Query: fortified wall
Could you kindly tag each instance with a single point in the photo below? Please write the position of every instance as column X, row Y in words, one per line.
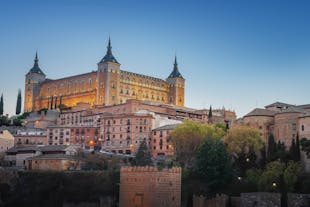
column 150, row 187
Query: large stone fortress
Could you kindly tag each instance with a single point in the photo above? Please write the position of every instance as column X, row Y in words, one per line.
column 109, row 85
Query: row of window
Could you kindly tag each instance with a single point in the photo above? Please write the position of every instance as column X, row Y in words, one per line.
column 141, row 121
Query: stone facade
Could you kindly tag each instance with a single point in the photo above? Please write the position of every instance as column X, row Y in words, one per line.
column 262, row 123
column 6, row 140
column 82, row 136
column 150, row 187
column 286, row 127
column 19, row 155
column 124, row 133
column 217, row 201
column 161, row 145
column 109, row 85
column 298, row 200
column 284, row 121
column 30, row 137
column 304, row 126
column 52, row 162
column 261, row 199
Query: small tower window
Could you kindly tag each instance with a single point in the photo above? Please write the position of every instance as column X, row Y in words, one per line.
column 302, row 128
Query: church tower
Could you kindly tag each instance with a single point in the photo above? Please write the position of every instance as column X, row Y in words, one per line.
column 34, row 78
column 108, row 79
column 176, row 86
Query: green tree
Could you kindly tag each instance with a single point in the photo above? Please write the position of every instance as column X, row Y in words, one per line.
column 279, row 176
column 213, row 164
column 1, row 105
column 189, row 136
column 297, row 148
column 292, row 150
column 210, row 115
column 271, row 148
column 19, row 103
column 242, row 139
column 143, row 155
column 281, row 153
column 305, row 146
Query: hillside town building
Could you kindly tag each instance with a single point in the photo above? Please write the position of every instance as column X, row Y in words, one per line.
column 284, row 121
column 6, row 140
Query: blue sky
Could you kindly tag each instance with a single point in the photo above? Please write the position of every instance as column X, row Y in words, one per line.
column 240, row 54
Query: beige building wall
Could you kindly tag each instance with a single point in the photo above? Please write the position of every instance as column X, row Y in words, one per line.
column 286, row 127
column 6, row 140
column 150, row 187
column 161, row 143
column 262, row 123
column 304, row 127
column 57, row 164
column 124, row 133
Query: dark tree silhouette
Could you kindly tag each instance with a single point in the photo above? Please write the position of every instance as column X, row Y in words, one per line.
column 19, row 102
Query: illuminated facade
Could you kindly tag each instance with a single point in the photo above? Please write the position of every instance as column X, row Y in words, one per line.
column 109, row 85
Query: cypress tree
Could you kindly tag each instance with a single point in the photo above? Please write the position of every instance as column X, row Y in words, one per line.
column 19, row 103
column 210, row 115
column 143, row 156
column 271, row 148
column 297, row 148
column 55, row 105
column 1, row 105
column 292, row 151
column 52, row 103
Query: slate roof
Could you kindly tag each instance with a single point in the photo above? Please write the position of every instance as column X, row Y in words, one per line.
column 52, row 156
column 22, row 148
column 109, row 56
column 36, row 68
column 166, row 127
column 261, row 112
column 175, row 73
column 49, row 148
column 278, row 104
column 292, row 109
column 304, row 106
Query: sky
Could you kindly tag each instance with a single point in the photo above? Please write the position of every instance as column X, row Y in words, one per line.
column 240, row 54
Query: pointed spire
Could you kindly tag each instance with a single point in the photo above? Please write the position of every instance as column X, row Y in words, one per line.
column 36, row 68
column 109, row 56
column 36, row 60
column 109, row 45
column 175, row 65
column 175, row 73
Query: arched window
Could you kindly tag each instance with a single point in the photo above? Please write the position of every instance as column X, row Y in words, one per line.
column 302, row 128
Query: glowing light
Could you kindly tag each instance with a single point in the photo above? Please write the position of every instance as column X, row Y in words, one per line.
column 91, row 142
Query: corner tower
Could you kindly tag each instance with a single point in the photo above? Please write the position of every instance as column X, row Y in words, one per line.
column 108, row 79
column 33, row 80
column 176, row 86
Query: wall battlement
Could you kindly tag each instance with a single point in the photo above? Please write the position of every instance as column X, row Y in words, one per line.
column 150, row 187
column 176, row 170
